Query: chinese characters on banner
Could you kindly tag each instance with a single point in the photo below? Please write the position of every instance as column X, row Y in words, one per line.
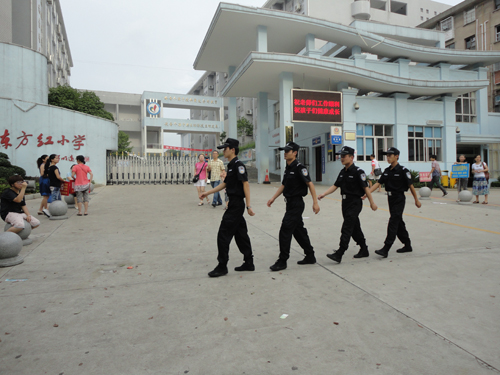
column 317, row 106
column 41, row 140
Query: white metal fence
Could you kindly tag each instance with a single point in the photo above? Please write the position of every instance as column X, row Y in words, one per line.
column 150, row 170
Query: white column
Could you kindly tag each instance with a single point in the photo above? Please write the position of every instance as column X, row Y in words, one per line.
column 262, row 141
column 449, row 142
column 232, row 131
column 261, row 38
column 286, row 86
column 400, row 130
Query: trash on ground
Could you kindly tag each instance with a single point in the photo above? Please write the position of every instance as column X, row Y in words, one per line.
column 130, row 268
column 13, row 280
column 284, row 316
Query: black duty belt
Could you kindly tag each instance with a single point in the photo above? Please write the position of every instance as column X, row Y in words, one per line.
column 395, row 193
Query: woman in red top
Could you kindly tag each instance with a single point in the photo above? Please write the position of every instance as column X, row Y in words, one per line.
column 82, row 184
column 200, row 170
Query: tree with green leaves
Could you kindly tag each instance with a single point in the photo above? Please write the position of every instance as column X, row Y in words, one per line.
column 7, row 169
column 244, row 126
column 123, row 143
column 82, row 101
column 222, row 137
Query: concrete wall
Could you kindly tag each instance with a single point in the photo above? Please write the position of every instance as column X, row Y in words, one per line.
column 23, row 74
column 40, row 121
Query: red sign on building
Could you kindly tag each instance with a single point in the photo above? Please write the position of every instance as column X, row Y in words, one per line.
column 317, row 106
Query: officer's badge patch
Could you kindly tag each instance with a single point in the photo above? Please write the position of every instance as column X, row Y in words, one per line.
column 363, row 176
column 304, row 172
column 241, row 169
column 408, row 174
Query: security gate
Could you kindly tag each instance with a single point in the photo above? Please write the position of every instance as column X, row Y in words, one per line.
column 150, row 169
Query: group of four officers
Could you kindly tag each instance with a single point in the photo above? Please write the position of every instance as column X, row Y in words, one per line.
column 296, row 181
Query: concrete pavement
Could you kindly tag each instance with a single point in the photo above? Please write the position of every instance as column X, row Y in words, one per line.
column 77, row 308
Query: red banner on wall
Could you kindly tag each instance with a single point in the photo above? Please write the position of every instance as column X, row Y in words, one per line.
column 185, row 149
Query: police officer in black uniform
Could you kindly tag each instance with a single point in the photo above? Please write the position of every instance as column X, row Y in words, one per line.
column 397, row 180
column 296, row 180
column 353, row 185
column 233, row 223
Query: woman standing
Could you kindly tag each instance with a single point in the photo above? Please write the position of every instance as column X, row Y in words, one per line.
column 461, row 182
column 44, row 184
column 200, row 170
column 82, row 184
column 480, row 184
column 54, row 177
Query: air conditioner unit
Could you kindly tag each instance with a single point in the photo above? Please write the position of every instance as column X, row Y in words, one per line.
column 58, row 81
column 50, row 59
column 211, row 87
column 298, row 7
column 49, row 1
column 225, row 75
column 249, row 112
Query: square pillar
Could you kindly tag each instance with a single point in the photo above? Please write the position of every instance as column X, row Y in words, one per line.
column 262, row 141
column 261, row 38
column 311, row 46
column 286, row 86
column 350, row 114
column 449, row 132
column 232, row 129
column 400, row 131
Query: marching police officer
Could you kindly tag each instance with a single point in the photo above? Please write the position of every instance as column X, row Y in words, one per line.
column 353, row 185
column 296, row 180
column 397, row 180
column 233, row 223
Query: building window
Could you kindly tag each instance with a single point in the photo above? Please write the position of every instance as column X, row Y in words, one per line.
column 378, row 4
column 372, row 139
column 469, row 16
column 496, row 102
column 398, row 7
column 277, row 115
column 497, row 33
column 421, row 18
column 451, row 46
column 497, row 4
column 435, row 13
column 470, row 42
column 422, row 10
column 277, row 159
column 447, row 27
column 424, row 141
column 465, row 108
column 427, row 11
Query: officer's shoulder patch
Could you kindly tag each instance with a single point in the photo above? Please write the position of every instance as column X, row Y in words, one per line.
column 304, row 172
column 241, row 169
column 363, row 176
column 408, row 174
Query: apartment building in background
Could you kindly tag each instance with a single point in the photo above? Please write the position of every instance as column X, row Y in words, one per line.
column 39, row 26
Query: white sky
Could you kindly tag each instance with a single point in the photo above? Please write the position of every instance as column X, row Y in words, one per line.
column 133, row 46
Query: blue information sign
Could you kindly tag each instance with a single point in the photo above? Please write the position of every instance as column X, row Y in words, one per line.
column 336, row 139
column 460, row 171
column 316, row 141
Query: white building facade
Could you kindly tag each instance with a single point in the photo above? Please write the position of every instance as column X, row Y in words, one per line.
column 388, row 100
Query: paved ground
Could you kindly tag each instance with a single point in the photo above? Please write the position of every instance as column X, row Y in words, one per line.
column 78, row 309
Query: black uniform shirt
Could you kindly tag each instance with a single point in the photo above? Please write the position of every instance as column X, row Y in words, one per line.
column 8, row 205
column 397, row 179
column 352, row 181
column 236, row 174
column 295, row 180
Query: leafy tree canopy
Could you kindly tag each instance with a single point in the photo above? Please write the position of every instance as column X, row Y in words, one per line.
column 244, row 126
column 123, row 143
column 82, row 101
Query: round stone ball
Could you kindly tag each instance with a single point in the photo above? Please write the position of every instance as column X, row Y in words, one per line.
column 465, row 196
column 25, row 233
column 69, row 199
column 58, row 208
column 425, row 192
column 10, row 245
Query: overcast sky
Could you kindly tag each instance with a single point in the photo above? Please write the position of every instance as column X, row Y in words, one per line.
column 132, row 46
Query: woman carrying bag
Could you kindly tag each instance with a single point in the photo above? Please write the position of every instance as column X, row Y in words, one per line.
column 200, row 178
